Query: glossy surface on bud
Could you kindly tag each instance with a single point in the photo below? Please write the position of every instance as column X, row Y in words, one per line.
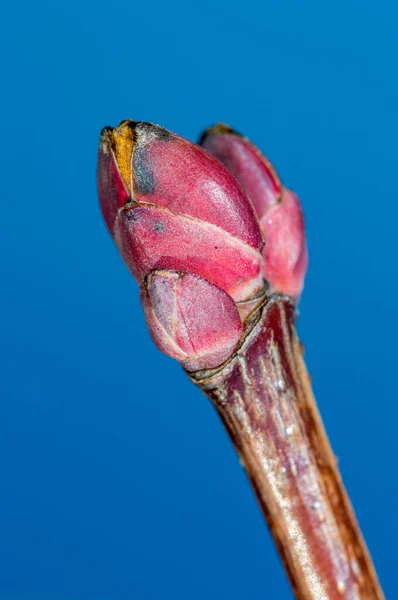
column 278, row 209
column 171, row 205
column 190, row 319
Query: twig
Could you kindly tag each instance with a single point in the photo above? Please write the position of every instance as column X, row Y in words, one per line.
column 264, row 398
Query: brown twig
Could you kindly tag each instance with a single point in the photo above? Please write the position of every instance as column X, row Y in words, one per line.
column 264, row 398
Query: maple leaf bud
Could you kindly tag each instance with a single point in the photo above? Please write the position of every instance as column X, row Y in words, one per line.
column 190, row 319
column 170, row 205
column 278, row 209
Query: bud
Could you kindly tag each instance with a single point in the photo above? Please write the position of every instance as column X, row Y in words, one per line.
column 170, row 205
column 190, row 319
column 278, row 209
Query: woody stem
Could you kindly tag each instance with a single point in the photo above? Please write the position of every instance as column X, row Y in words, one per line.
column 264, row 398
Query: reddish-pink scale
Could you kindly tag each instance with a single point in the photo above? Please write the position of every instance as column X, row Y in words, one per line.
column 278, row 209
column 190, row 319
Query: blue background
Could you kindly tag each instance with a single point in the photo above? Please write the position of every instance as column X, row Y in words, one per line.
column 117, row 480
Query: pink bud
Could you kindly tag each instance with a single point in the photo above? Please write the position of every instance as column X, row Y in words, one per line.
column 171, row 205
column 190, row 319
column 278, row 209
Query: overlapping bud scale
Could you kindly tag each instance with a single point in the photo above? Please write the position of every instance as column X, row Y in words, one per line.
column 278, row 209
column 190, row 319
column 186, row 229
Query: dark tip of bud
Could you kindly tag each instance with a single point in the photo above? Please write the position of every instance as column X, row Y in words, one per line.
column 105, row 142
column 128, row 123
column 218, row 128
column 145, row 129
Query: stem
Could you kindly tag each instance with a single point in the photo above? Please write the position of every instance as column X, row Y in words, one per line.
column 264, row 398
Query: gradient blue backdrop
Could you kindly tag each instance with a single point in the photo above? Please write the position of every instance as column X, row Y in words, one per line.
column 117, row 480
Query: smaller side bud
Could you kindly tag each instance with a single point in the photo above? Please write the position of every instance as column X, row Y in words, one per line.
column 253, row 170
column 278, row 209
column 190, row 319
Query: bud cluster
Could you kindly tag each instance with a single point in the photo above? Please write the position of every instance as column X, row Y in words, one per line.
column 191, row 230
